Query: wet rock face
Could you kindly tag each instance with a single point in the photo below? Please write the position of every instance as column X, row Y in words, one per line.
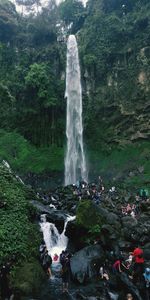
column 75, row 233
column 52, row 215
column 85, row 262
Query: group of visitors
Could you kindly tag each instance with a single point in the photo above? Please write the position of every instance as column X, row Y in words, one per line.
column 91, row 191
column 130, row 209
column 133, row 265
column 63, row 259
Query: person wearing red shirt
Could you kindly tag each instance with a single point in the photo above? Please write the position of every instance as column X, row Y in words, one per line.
column 139, row 263
column 138, row 255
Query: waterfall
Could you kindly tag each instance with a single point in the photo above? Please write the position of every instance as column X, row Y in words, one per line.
column 75, row 164
column 55, row 242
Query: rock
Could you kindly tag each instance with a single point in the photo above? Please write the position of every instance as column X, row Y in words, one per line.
column 30, row 278
column 129, row 285
column 129, row 221
column 83, row 263
column 92, row 298
column 131, row 174
column 146, row 249
column 113, row 296
column 112, row 218
column 147, row 254
column 75, row 233
column 141, row 169
column 124, row 245
column 53, row 215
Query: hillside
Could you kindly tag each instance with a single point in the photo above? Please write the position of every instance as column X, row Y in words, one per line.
column 19, row 235
column 113, row 40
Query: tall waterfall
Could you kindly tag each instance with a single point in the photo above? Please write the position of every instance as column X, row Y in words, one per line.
column 75, row 164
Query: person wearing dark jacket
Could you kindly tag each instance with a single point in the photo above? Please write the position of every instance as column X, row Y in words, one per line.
column 47, row 261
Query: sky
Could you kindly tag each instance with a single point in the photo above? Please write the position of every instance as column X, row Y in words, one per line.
column 43, row 2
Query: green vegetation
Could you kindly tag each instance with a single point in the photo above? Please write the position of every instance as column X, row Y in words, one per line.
column 25, row 157
column 29, row 280
column 19, row 237
column 115, row 63
column 90, row 218
column 119, row 162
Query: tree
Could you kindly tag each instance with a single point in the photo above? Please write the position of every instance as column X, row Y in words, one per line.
column 72, row 12
column 42, row 102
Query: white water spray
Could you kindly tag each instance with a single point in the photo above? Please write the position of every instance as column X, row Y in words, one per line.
column 55, row 242
column 75, row 164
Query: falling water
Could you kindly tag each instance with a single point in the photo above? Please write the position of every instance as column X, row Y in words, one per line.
column 75, row 164
column 55, row 242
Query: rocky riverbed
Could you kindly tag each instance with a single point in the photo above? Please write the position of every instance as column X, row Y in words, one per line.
column 119, row 233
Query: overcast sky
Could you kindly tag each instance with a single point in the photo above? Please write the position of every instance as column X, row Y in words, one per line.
column 43, row 2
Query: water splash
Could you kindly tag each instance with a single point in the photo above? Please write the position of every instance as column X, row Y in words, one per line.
column 55, row 242
column 75, row 163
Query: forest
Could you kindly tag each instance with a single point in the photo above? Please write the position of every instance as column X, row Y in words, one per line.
column 113, row 40
column 105, row 218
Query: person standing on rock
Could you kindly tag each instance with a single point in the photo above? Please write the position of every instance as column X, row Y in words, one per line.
column 47, row 261
column 138, row 269
column 65, row 262
column 146, row 275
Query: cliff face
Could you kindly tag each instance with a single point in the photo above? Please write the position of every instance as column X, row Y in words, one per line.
column 114, row 51
column 115, row 55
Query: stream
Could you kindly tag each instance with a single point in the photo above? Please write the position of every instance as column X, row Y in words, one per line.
column 56, row 243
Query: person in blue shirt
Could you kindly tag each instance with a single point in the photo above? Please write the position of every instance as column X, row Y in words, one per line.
column 146, row 275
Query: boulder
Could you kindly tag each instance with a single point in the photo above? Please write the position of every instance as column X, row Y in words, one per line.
column 129, row 221
column 112, row 218
column 76, row 234
column 52, row 215
column 129, row 285
column 84, row 263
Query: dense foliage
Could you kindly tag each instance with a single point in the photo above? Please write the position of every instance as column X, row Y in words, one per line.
column 19, row 237
column 113, row 38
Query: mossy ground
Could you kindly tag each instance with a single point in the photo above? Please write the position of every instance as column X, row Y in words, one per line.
column 116, row 164
column 110, row 161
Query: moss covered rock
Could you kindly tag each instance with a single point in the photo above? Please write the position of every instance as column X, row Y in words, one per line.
column 28, row 278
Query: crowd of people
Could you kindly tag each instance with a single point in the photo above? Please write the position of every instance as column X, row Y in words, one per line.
column 133, row 264
column 97, row 193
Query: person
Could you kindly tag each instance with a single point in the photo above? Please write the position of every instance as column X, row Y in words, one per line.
column 64, row 256
column 5, row 283
column 65, row 262
column 103, row 272
column 117, row 265
column 65, row 274
column 146, row 275
column 47, row 261
column 138, row 263
column 128, row 261
column 55, row 258
column 129, row 208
